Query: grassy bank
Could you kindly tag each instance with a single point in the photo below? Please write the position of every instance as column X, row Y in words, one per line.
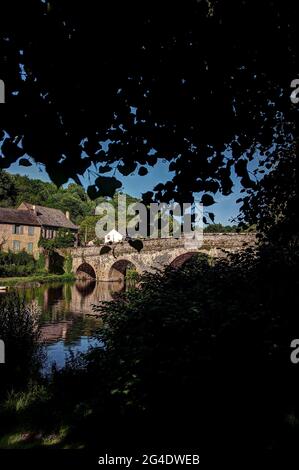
column 40, row 278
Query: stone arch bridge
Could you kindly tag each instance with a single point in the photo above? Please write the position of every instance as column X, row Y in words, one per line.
column 110, row 262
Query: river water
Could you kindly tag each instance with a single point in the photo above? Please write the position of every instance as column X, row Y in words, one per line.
column 67, row 319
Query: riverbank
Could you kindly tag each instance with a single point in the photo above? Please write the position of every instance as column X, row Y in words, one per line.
column 36, row 279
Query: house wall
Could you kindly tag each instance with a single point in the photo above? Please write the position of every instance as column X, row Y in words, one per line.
column 113, row 236
column 7, row 238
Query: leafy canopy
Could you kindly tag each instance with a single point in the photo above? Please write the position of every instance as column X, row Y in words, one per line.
column 204, row 85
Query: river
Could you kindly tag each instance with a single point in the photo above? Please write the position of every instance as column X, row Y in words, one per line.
column 66, row 316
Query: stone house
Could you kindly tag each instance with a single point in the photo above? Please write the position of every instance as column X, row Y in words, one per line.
column 22, row 228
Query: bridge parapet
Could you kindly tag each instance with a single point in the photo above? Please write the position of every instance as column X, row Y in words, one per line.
column 230, row 241
column 154, row 254
column 148, row 244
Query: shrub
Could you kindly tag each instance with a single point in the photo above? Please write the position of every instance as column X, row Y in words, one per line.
column 16, row 264
column 41, row 264
column 64, row 239
column 68, row 264
column 20, row 332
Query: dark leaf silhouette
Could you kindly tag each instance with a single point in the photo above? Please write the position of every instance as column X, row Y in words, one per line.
column 136, row 244
column 105, row 169
column 212, row 216
column 165, row 91
column 127, row 168
column 207, row 200
column 142, row 171
column 24, row 162
column 106, row 186
column 105, row 250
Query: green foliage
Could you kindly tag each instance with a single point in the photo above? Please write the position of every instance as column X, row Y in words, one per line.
column 132, row 274
column 30, row 190
column 87, row 228
column 20, row 333
column 88, row 224
column 219, row 228
column 206, row 341
column 41, row 264
column 63, row 239
column 68, row 264
column 16, row 264
column 8, row 190
column 70, row 200
column 16, row 189
column 42, row 278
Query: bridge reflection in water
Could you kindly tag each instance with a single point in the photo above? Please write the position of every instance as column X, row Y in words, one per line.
column 67, row 318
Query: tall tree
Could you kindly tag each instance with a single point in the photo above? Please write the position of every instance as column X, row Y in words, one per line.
column 8, row 190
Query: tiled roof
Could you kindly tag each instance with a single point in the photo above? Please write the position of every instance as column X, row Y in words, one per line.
column 50, row 217
column 22, row 217
column 41, row 216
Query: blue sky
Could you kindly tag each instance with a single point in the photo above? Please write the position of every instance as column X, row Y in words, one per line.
column 225, row 208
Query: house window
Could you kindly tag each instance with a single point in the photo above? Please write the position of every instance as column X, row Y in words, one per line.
column 30, row 230
column 30, row 247
column 16, row 245
column 17, row 229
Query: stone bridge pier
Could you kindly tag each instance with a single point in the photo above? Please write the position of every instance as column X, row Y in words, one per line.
column 110, row 262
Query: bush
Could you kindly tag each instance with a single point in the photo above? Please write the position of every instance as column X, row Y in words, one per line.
column 68, row 264
column 132, row 275
column 64, row 239
column 187, row 352
column 20, row 332
column 41, row 264
column 16, row 264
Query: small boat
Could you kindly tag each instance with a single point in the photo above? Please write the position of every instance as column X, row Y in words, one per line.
column 3, row 288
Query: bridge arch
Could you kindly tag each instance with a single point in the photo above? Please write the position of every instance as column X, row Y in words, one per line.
column 118, row 270
column 85, row 271
column 182, row 259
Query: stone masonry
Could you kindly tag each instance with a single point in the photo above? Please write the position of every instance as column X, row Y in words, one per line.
column 109, row 262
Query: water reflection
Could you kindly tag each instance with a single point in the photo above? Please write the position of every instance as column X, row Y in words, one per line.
column 67, row 318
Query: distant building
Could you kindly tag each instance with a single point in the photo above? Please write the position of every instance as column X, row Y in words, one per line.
column 113, row 236
column 22, row 228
